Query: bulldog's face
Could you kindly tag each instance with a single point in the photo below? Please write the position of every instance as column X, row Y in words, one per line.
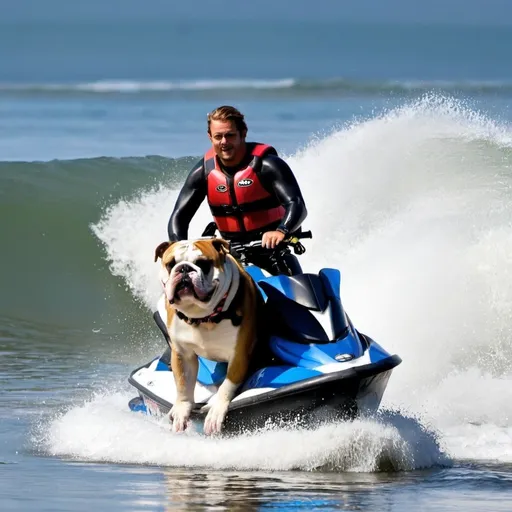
column 192, row 271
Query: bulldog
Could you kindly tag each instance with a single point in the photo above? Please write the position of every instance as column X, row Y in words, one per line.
column 211, row 312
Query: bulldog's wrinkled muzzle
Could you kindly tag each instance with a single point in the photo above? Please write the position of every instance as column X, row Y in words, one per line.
column 188, row 280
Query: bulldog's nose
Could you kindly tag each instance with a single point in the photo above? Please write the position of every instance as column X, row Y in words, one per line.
column 185, row 269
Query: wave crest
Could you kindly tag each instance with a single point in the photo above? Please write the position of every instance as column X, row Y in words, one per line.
column 281, row 86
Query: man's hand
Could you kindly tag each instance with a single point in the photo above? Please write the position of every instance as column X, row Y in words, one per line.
column 271, row 239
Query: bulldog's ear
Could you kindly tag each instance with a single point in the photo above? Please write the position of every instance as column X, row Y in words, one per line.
column 221, row 245
column 159, row 251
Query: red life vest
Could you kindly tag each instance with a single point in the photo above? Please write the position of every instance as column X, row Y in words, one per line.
column 240, row 203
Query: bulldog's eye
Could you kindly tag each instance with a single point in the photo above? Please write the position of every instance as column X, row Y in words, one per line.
column 204, row 265
column 170, row 264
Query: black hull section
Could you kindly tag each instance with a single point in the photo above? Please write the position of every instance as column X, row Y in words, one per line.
column 335, row 396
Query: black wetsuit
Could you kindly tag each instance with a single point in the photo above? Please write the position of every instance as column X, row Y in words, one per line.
column 275, row 176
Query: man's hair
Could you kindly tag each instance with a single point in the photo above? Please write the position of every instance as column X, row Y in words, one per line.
column 227, row 113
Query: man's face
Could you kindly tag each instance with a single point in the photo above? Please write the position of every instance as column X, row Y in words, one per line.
column 228, row 142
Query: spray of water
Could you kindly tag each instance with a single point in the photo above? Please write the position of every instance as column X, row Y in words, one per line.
column 414, row 206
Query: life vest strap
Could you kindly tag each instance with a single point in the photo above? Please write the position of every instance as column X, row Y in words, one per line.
column 262, row 204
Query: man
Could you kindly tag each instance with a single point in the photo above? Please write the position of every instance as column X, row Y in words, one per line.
column 252, row 193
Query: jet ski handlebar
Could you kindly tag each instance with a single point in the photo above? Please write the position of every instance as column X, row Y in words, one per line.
column 292, row 241
column 244, row 249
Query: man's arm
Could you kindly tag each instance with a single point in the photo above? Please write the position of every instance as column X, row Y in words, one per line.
column 276, row 175
column 189, row 200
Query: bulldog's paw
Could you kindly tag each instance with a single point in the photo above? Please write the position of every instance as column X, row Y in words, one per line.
column 179, row 415
column 215, row 417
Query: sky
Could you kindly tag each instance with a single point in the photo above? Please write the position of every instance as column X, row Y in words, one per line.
column 489, row 12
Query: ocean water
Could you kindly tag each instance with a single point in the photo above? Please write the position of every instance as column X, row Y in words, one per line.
column 401, row 139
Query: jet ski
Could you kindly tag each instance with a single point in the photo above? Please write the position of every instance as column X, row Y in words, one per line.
column 316, row 365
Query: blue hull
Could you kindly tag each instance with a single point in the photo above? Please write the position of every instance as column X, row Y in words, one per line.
column 341, row 395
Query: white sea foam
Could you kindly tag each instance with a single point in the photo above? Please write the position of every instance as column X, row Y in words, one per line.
column 415, row 208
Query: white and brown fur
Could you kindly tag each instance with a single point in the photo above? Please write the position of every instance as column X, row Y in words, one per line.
column 223, row 341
